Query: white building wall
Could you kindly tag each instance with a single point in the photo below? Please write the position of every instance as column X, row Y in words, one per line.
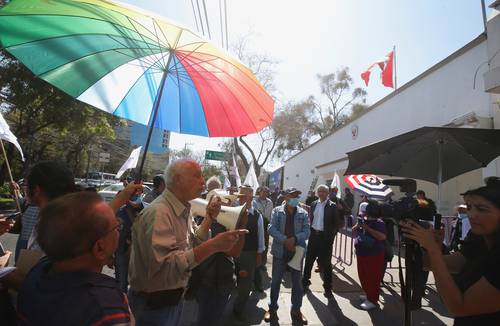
column 435, row 98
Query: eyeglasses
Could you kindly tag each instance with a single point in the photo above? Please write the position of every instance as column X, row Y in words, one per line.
column 118, row 227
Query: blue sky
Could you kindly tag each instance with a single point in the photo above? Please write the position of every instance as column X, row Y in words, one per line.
column 318, row 36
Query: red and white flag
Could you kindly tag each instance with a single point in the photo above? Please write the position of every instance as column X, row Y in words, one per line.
column 386, row 65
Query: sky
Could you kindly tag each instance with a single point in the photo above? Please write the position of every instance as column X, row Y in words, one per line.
column 319, row 36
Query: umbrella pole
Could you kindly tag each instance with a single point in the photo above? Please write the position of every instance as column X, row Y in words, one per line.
column 16, row 193
column 138, row 174
column 440, row 144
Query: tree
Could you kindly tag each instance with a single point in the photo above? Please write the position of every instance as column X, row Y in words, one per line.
column 299, row 124
column 264, row 68
column 49, row 124
column 331, row 111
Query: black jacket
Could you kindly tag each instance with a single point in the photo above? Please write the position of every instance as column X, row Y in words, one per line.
column 332, row 219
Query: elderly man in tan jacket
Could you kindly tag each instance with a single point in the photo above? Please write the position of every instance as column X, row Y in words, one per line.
column 165, row 247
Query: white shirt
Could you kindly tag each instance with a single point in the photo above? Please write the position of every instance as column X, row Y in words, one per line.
column 319, row 215
column 465, row 225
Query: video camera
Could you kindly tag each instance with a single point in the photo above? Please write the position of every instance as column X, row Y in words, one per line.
column 407, row 206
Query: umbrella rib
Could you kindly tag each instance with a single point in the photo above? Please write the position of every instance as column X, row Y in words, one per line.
column 131, row 22
column 74, row 35
column 190, row 52
column 179, row 93
column 236, row 81
column 125, row 47
column 246, row 113
column 156, row 34
column 128, row 17
column 76, row 59
column 248, row 92
column 128, row 92
column 78, row 16
column 142, row 59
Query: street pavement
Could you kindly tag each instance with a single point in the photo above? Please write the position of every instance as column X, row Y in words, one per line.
column 343, row 309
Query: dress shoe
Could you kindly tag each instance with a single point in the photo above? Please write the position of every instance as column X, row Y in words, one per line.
column 362, row 297
column 328, row 294
column 270, row 315
column 367, row 305
column 298, row 317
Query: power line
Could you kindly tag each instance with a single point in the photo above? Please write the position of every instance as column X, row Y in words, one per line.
column 221, row 24
column 199, row 15
column 195, row 18
column 206, row 18
column 225, row 17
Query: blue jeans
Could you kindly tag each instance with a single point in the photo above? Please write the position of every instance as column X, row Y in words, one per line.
column 211, row 304
column 166, row 316
column 279, row 268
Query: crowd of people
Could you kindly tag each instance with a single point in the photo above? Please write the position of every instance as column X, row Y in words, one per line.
column 163, row 256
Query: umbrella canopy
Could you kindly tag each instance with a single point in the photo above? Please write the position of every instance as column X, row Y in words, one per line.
column 131, row 63
column 434, row 154
column 369, row 185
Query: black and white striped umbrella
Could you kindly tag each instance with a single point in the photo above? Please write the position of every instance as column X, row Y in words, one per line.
column 369, row 185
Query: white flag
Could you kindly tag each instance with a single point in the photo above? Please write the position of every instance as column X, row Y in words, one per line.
column 236, row 173
column 251, row 178
column 131, row 162
column 336, row 183
column 6, row 134
column 227, row 184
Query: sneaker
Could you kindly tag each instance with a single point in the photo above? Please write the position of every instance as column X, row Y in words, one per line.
column 362, row 297
column 367, row 305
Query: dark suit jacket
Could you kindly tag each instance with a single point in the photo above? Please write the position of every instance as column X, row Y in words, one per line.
column 332, row 219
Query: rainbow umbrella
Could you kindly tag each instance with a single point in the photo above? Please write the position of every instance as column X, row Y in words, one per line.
column 135, row 65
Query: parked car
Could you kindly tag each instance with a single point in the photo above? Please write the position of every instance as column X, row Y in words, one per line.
column 110, row 192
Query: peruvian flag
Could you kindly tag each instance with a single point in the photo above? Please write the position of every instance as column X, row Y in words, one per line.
column 386, row 65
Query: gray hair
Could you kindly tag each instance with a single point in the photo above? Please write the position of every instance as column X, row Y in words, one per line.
column 213, row 183
column 175, row 168
column 322, row 186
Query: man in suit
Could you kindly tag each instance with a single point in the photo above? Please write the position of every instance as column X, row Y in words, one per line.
column 325, row 222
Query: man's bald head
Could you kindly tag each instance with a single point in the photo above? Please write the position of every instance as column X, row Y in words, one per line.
column 176, row 168
column 184, row 179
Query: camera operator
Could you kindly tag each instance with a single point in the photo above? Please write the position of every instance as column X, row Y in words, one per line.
column 474, row 295
column 369, row 244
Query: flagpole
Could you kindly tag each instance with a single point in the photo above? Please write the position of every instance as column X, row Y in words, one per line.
column 16, row 194
column 395, row 74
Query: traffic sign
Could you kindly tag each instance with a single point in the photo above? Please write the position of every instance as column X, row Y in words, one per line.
column 215, row 156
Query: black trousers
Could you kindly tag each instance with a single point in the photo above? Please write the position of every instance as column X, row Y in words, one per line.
column 320, row 246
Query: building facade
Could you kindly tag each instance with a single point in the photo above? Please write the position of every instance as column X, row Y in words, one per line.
column 460, row 91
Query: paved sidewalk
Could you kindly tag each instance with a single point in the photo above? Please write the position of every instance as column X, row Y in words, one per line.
column 343, row 309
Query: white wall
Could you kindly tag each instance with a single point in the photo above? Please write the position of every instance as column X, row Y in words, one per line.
column 433, row 100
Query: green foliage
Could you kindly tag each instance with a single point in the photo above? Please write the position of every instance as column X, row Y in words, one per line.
column 48, row 123
column 299, row 124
